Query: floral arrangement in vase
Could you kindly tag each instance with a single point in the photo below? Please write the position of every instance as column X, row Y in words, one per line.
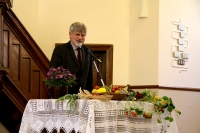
column 57, row 81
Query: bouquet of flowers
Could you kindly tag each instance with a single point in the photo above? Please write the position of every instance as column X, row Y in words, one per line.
column 59, row 77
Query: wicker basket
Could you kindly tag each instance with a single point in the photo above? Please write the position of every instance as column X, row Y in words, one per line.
column 116, row 96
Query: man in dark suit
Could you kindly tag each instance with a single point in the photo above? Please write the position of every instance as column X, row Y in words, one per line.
column 67, row 55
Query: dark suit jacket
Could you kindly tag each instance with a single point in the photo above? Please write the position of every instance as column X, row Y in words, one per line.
column 63, row 55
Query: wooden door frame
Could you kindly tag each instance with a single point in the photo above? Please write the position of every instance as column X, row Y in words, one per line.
column 108, row 48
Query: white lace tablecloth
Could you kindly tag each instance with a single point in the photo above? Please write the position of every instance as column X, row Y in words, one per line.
column 90, row 116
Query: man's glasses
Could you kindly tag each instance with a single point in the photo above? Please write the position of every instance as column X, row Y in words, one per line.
column 77, row 34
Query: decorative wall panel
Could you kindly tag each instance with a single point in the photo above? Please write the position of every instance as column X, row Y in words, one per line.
column 15, row 58
column 26, row 63
column 5, row 48
column 36, row 84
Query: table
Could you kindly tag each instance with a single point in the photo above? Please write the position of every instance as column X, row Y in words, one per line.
column 91, row 116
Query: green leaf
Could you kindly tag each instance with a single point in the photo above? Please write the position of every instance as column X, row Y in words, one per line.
column 158, row 120
column 179, row 112
column 165, row 98
column 126, row 109
column 133, row 108
column 140, row 112
column 140, row 109
column 60, row 99
column 162, row 111
column 170, row 108
column 160, row 104
column 146, row 92
column 169, row 118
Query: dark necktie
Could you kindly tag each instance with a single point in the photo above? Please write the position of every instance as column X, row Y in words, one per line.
column 79, row 56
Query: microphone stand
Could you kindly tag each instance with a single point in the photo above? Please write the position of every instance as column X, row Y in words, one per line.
column 95, row 58
column 99, row 74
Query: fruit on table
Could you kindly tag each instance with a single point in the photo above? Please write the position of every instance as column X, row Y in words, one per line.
column 117, row 91
column 114, row 88
column 94, row 91
column 96, row 87
column 100, row 90
column 147, row 114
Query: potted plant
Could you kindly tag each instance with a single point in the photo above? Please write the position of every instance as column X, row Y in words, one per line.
column 58, row 80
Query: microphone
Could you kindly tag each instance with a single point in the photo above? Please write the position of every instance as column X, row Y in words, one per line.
column 94, row 57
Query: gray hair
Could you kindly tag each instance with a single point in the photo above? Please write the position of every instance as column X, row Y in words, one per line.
column 78, row 26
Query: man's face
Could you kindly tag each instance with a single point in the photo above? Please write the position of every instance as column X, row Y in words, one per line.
column 77, row 38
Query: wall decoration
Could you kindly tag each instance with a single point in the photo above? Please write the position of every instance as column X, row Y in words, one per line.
column 179, row 50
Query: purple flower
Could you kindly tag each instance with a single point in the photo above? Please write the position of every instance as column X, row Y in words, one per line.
column 54, row 69
column 59, row 77
column 58, row 68
column 70, row 74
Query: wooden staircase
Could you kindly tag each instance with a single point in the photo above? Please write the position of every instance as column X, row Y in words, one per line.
column 10, row 116
column 23, row 66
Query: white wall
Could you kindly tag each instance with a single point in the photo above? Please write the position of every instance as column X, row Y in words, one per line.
column 189, row 12
column 151, row 54
column 27, row 12
column 143, row 52
column 188, row 103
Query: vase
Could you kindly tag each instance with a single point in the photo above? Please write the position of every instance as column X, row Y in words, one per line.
column 56, row 92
